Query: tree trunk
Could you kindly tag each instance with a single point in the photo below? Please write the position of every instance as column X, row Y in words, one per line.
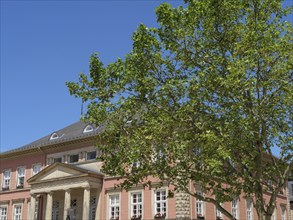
column 260, row 213
column 268, row 216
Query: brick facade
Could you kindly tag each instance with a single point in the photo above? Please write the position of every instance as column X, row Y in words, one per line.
column 96, row 196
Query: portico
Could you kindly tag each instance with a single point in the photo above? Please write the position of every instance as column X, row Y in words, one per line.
column 69, row 192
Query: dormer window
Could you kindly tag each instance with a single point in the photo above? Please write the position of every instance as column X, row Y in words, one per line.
column 88, row 128
column 54, row 136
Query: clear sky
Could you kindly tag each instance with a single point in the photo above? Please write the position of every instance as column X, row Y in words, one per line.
column 46, row 43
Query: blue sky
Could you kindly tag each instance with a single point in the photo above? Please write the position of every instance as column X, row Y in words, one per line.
column 46, row 43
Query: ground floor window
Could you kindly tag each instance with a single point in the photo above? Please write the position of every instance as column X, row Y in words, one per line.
column 235, row 207
column 199, row 206
column 73, row 209
column 93, row 204
column 55, row 210
column 136, row 204
column 160, row 203
column 17, row 212
column 219, row 214
column 114, row 207
column 249, row 209
column 3, row 213
column 283, row 214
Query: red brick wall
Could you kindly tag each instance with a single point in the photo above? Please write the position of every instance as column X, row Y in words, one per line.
column 18, row 196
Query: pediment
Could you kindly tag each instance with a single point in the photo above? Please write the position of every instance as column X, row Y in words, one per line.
column 57, row 171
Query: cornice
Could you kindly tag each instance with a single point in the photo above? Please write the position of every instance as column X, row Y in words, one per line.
column 22, row 153
column 67, row 143
column 45, row 148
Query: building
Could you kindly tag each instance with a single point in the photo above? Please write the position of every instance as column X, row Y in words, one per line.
column 290, row 197
column 58, row 177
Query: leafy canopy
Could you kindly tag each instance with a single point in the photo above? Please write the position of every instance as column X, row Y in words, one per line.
column 205, row 97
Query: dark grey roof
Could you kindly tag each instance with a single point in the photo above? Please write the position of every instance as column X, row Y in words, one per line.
column 72, row 132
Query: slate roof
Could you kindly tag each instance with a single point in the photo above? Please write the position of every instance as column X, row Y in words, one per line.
column 71, row 132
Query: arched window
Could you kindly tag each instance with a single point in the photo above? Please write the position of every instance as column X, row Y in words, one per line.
column 54, row 136
column 88, row 128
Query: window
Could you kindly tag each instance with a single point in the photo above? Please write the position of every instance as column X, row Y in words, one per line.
column 6, row 180
column 3, row 213
column 91, row 155
column 58, row 159
column 283, row 212
column 219, row 214
column 55, row 210
column 235, row 208
column 135, row 166
column 36, row 168
column 160, row 203
column 270, row 184
column 17, row 212
column 136, row 205
column 73, row 209
column 114, row 207
column 20, row 177
column 88, row 128
column 249, row 209
column 73, row 158
column 54, row 136
column 93, row 204
column 199, row 205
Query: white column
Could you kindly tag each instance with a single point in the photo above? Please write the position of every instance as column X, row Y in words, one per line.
column 80, row 156
column 98, row 201
column 49, row 205
column 86, row 204
column 32, row 207
column 67, row 200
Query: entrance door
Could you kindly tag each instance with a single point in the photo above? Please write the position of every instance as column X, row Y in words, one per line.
column 93, row 205
column 73, row 209
column 55, row 210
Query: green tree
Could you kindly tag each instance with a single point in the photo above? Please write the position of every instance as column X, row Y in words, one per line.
column 205, row 97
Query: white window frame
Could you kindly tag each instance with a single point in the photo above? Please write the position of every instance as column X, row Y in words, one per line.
column 3, row 215
column 34, row 172
column 235, row 208
column 6, row 179
column 283, row 212
column 249, row 209
column 137, row 204
column 219, row 214
column 199, row 205
column 18, row 176
column 17, row 215
column 54, row 136
column 115, row 205
column 88, row 128
column 161, row 202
